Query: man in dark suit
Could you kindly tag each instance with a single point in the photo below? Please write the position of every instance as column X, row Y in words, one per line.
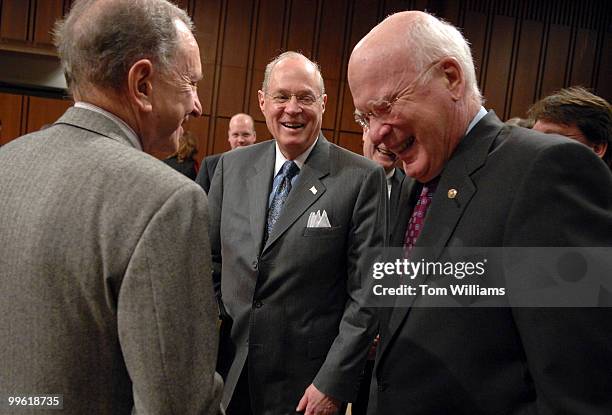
column 104, row 255
column 483, row 184
column 241, row 133
column 290, row 220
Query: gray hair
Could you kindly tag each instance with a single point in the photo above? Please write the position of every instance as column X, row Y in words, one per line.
column 290, row 55
column 431, row 39
column 99, row 41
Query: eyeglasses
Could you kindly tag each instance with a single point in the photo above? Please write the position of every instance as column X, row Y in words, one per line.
column 303, row 100
column 383, row 107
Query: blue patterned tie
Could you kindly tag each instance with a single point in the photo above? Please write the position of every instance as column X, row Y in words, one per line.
column 280, row 189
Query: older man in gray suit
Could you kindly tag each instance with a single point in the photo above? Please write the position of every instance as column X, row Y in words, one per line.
column 104, row 260
column 290, row 220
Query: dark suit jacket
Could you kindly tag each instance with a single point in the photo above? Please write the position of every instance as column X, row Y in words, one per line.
column 207, row 171
column 104, row 271
column 515, row 187
column 186, row 167
column 293, row 300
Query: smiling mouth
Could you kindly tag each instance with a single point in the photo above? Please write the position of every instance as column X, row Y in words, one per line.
column 403, row 147
column 386, row 153
column 292, row 125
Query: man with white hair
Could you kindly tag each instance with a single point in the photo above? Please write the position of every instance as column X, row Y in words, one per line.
column 482, row 184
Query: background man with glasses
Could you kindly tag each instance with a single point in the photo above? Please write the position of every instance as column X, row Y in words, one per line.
column 290, row 218
column 483, row 184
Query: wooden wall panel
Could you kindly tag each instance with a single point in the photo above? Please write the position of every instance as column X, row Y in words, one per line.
column 583, row 61
column 351, row 141
column 47, row 12
column 11, row 107
column 475, row 30
column 14, row 21
column 302, row 28
column 331, row 52
column 206, row 17
column 43, row 111
column 234, row 59
column 271, row 22
column 604, row 81
column 498, row 64
column 199, row 128
column 525, row 78
column 556, row 59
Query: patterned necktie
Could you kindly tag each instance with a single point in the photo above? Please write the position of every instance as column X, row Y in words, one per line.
column 280, row 189
column 415, row 225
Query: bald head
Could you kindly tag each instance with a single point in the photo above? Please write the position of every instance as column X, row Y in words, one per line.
column 414, row 88
column 241, row 131
column 414, row 40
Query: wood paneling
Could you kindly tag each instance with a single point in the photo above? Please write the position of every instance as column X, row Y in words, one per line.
column 11, row 107
column 14, row 21
column 42, row 111
column 522, row 49
column 47, row 12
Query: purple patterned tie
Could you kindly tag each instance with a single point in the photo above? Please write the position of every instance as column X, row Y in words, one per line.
column 417, row 220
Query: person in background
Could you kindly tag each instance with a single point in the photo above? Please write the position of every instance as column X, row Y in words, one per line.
column 183, row 159
column 241, row 133
column 481, row 184
column 577, row 114
column 104, row 254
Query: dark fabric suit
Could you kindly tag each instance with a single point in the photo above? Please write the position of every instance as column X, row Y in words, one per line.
column 515, row 187
column 207, row 171
column 293, row 300
column 402, row 198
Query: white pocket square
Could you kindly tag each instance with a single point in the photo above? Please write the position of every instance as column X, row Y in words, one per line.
column 318, row 220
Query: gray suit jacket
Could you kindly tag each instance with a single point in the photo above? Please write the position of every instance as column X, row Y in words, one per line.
column 294, row 299
column 518, row 188
column 105, row 280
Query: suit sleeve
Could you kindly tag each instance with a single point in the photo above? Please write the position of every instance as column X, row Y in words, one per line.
column 340, row 374
column 167, row 319
column 566, row 201
column 203, row 178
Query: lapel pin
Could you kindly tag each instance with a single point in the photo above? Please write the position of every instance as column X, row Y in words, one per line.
column 452, row 193
column 313, row 190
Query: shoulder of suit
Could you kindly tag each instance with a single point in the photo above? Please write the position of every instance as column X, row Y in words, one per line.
column 242, row 154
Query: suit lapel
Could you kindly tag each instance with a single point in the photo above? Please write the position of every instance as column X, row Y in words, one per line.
column 302, row 196
column 259, row 182
column 445, row 211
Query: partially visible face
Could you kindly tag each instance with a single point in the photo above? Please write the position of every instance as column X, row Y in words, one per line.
column 420, row 127
column 294, row 126
column 241, row 132
column 378, row 153
column 175, row 97
column 570, row 131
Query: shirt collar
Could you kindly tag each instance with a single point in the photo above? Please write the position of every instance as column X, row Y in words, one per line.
column 299, row 160
column 479, row 115
column 127, row 130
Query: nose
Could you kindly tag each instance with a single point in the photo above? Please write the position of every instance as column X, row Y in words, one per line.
column 197, row 106
column 292, row 105
column 378, row 131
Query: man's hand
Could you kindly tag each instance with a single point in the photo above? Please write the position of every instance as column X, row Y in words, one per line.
column 315, row 402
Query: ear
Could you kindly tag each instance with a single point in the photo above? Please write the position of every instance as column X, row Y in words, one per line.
column 454, row 77
column 140, row 86
column 324, row 101
column 600, row 149
column 261, row 98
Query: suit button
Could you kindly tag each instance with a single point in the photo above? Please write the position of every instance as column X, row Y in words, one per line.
column 255, row 265
column 257, row 304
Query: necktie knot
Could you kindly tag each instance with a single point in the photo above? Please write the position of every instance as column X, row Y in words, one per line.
column 289, row 170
